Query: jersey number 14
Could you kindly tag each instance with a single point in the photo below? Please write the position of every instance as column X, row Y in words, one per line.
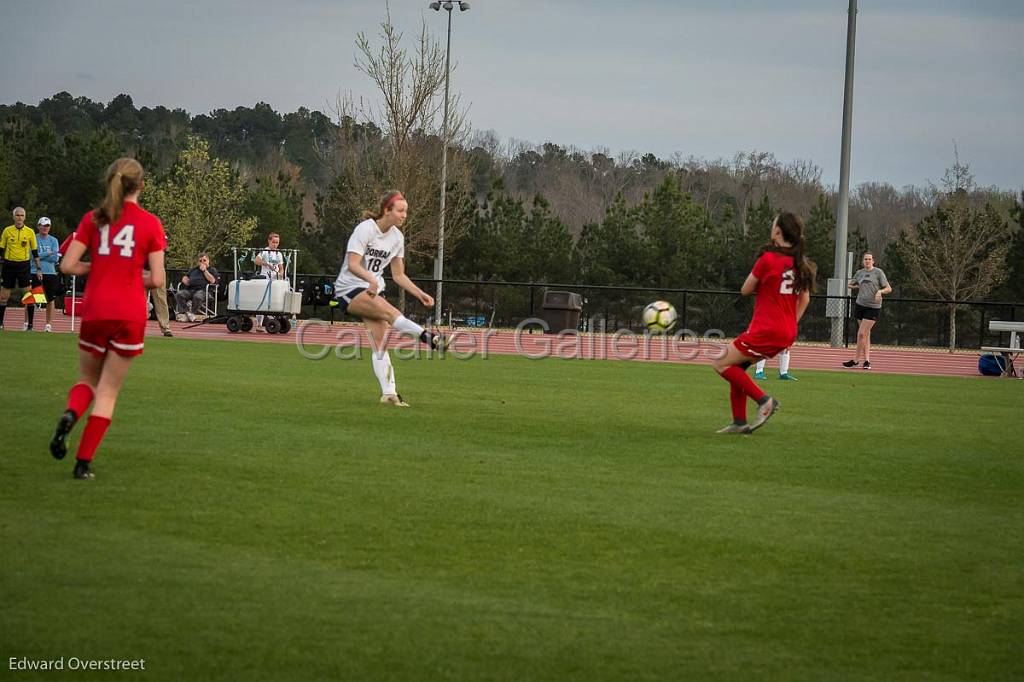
column 123, row 238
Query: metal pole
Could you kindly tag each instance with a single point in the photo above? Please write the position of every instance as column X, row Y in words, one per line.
column 844, row 169
column 439, row 264
column 74, row 294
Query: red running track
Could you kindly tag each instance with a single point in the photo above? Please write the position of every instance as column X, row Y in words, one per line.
column 585, row 346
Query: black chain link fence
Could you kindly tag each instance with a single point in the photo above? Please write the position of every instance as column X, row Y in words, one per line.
column 904, row 322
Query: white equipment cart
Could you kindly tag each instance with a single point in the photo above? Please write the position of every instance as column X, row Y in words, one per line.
column 276, row 299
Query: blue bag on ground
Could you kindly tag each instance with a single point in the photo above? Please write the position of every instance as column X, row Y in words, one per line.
column 992, row 365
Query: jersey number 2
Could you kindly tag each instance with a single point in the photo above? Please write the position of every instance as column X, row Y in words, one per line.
column 123, row 238
column 786, row 285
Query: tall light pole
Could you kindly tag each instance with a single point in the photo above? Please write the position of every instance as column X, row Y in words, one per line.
column 439, row 263
column 840, row 275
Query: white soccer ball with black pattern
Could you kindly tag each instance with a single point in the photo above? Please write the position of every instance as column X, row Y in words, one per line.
column 659, row 317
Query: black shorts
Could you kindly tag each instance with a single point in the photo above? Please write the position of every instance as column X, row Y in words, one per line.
column 344, row 299
column 16, row 274
column 53, row 287
column 862, row 312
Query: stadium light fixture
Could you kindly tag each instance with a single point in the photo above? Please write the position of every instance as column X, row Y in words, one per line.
column 439, row 263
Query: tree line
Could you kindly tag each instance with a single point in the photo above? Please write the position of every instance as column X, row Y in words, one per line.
column 539, row 214
column 515, row 211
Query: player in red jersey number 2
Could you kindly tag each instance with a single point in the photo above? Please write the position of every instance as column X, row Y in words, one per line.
column 121, row 238
column 783, row 280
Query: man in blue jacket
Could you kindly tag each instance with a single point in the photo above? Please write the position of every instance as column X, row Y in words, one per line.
column 49, row 254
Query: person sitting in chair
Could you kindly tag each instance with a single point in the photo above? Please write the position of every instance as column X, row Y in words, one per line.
column 193, row 289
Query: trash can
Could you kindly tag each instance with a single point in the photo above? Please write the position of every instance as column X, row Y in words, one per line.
column 562, row 310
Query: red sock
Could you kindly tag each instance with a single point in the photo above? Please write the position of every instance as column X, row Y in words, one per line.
column 738, row 400
column 79, row 398
column 741, row 381
column 94, row 430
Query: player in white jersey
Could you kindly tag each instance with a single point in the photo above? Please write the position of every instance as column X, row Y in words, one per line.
column 271, row 264
column 784, row 374
column 271, row 261
column 376, row 243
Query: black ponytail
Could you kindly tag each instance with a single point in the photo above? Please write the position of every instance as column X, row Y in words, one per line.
column 804, row 270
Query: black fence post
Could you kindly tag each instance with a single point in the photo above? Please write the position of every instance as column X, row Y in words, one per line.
column 898, row 325
column 684, row 309
column 981, row 328
column 846, row 321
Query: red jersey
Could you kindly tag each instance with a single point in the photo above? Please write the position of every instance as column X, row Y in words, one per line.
column 65, row 244
column 118, row 252
column 775, row 306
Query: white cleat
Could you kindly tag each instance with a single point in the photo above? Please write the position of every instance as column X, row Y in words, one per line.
column 49, row 327
column 393, row 399
column 764, row 413
column 734, row 428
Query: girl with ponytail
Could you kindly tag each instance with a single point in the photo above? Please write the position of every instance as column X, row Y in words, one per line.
column 783, row 280
column 376, row 244
column 121, row 238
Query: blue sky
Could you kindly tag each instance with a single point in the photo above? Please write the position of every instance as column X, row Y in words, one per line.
column 706, row 79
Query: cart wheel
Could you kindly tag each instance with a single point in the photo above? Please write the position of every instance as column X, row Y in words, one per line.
column 286, row 325
column 271, row 325
column 234, row 324
column 246, row 324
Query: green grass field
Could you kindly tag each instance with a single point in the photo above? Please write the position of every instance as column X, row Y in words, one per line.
column 259, row 516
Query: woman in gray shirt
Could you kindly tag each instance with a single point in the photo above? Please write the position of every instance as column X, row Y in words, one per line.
column 870, row 283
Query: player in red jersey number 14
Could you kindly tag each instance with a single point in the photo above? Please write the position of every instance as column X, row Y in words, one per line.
column 121, row 238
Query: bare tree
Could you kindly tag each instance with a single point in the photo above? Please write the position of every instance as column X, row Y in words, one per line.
column 409, row 117
column 752, row 170
column 881, row 212
column 959, row 252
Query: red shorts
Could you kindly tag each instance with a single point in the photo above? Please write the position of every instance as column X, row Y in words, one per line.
column 121, row 336
column 758, row 347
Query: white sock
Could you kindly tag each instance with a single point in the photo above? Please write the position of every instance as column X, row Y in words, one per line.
column 384, row 370
column 407, row 326
column 759, row 367
column 259, row 320
column 784, row 362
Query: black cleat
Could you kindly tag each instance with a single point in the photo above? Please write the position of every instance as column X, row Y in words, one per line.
column 58, row 448
column 850, row 363
column 82, row 471
column 435, row 340
column 867, row 365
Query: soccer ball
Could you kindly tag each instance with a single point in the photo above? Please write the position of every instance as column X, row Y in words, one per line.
column 659, row 317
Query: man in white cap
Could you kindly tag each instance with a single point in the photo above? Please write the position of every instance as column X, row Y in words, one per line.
column 49, row 254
